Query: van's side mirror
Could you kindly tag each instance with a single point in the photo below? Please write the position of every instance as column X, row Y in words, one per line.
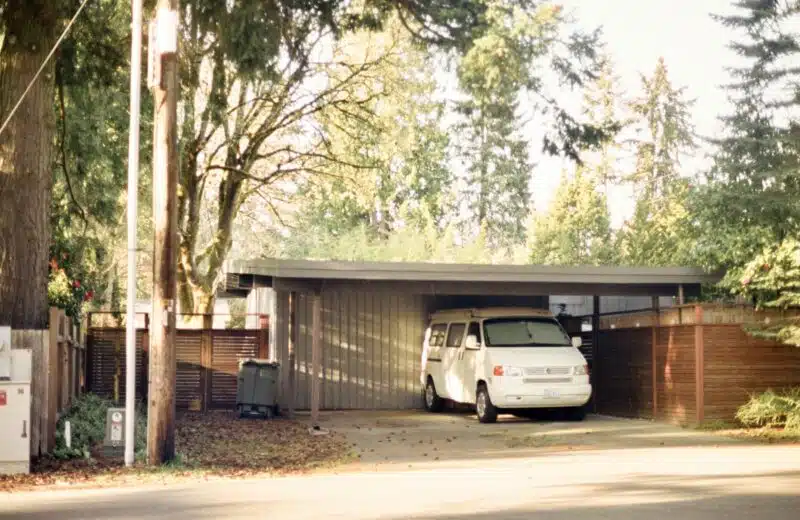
column 472, row 343
column 577, row 341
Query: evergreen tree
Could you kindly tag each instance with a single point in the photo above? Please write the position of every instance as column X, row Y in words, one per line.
column 656, row 234
column 576, row 229
column 751, row 198
column 506, row 61
column 604, row 106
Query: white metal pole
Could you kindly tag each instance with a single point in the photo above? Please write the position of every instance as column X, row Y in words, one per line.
column 133, row 193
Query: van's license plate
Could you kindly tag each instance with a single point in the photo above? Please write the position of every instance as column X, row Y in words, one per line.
column 552, row 394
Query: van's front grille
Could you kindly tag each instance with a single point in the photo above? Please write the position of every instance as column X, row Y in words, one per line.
column 547, row 380
column 547, row 371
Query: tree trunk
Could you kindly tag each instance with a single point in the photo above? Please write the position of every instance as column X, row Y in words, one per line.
column 26, row 147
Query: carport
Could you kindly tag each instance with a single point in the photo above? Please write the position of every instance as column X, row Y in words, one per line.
column 359, row 326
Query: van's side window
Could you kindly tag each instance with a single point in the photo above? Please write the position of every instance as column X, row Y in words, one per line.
column 456, row 334
column 437, row 335
column 475, row 330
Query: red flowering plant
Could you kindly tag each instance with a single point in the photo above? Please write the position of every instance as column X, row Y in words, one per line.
column 772, row 281
column 65, row 289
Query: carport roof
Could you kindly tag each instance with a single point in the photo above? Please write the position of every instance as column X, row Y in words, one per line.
column 440, row 278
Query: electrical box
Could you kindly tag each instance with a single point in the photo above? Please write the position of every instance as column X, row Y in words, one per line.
column 15, row 406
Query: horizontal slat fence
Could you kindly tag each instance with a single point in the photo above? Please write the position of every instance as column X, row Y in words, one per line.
column 706, row 365
column 206, row 371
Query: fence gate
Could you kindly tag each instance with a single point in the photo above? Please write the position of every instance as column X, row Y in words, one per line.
column 206, row 371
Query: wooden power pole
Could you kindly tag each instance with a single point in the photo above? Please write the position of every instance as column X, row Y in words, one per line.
column 164, row 82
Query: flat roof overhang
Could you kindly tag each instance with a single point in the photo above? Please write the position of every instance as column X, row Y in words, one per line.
column 458, row 279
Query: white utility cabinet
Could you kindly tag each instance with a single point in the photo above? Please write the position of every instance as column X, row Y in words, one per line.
column 15, row 406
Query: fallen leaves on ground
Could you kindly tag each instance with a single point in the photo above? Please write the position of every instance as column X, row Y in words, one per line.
column 217, row 444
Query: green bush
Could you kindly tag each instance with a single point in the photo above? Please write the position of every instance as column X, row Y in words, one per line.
column 772, row 409
column 87, row 417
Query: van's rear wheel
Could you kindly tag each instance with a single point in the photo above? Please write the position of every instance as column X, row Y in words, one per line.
column 433, row 403
column 577, row 413
column 487, row 412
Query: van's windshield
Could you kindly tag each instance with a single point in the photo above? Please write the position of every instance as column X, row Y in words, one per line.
column 524, row 332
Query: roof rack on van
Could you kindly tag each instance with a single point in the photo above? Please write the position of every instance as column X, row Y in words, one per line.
column 490, row 312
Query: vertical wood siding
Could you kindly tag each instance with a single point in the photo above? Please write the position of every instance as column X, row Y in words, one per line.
column 371, row 349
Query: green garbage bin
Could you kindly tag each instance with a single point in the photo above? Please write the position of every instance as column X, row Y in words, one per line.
column 257, row 388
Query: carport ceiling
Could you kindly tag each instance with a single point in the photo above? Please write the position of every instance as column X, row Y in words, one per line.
column 456, row 279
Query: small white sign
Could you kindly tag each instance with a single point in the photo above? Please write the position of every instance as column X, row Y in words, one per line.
column 166, row 32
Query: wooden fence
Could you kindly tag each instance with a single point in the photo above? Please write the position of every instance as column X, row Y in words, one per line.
column 58, row 375
column 687, row 364
column 207, row 363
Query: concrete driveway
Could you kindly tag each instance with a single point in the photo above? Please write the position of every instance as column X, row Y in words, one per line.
column 619, row 470
column 403, row 440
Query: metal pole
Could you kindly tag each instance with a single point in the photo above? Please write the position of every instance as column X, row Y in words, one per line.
column 133, row 208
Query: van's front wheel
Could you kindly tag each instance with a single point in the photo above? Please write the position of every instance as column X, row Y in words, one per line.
column 487, row 412
column 433, row 403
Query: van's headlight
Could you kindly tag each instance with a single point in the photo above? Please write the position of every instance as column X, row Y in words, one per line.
column 508, row 371
column 580, row 370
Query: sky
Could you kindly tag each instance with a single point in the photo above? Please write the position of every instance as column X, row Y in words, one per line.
column 637, row 33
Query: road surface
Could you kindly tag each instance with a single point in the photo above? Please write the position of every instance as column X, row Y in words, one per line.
column 676, row 483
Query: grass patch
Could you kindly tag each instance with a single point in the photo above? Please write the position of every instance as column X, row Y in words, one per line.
column 208, row 445
column 716, row 425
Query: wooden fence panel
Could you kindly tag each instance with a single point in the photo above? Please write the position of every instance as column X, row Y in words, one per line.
column 738, row 365
column 206, row 371
column 228, row 347
column 622, row 375
column 188, row 392
column 106, row 363
column 675, row 376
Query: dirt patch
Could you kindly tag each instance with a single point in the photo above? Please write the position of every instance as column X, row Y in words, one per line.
column 762, row 435
column 208, row 445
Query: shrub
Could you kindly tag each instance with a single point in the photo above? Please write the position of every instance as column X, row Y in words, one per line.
column 87, row 417
column 772, row 409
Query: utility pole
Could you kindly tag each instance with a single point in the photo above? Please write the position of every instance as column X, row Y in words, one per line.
column 164, row 82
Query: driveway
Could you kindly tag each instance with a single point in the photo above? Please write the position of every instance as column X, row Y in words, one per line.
column 618, row 470
column 403, row 440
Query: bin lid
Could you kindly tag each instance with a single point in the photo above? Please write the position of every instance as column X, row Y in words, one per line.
column 259, row 362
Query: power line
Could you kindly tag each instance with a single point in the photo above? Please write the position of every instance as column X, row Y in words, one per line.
column 44, row 64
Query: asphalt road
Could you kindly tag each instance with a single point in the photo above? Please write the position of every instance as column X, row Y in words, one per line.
column 683, row 483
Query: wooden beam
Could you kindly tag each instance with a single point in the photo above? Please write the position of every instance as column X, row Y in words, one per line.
column 681, row 297
column 595, row 346
column 206, row 370
column 316, row 357
column 653, row 349
column 292, row 365
column 699, row 363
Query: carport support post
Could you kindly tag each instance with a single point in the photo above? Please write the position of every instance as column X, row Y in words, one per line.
column 291, row 352
column 653, row 364
column 595, row 346
column 316, row 355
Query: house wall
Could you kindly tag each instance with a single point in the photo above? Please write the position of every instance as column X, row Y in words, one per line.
column 582, row 305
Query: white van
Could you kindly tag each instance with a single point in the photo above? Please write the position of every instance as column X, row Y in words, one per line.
column 496, row 359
